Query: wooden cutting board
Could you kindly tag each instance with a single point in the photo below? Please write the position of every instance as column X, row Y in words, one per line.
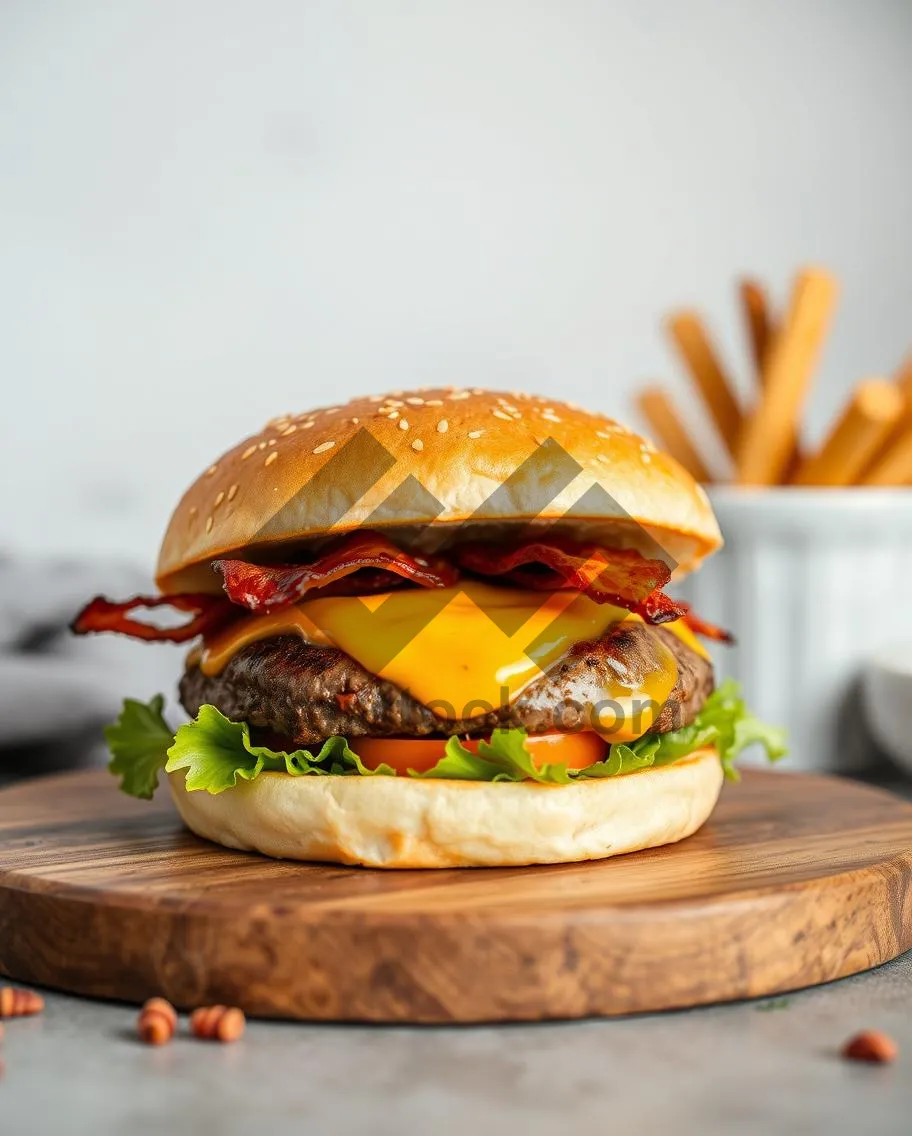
column 796, row 880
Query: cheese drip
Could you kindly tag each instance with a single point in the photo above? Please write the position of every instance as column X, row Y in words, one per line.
column 465, row 650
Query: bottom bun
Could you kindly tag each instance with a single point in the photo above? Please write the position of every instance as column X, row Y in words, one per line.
column 398, row 822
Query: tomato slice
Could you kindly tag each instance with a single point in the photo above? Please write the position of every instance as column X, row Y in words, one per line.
column 576, row 751
column 402, row 754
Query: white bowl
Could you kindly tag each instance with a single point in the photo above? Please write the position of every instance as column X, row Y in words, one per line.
column 812, row 582
column 887, row 694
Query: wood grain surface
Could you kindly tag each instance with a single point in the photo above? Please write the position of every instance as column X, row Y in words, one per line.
column 796, row 880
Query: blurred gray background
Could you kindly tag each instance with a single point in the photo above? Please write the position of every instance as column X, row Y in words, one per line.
column 211, row 212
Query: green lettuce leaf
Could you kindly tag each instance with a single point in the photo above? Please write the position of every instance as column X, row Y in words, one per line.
column 216, row 753
column 623, row 758
column 726, row 723
column 138, row 742
column 503, row 758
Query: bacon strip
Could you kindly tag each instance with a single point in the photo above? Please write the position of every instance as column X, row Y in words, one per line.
column 618, row 576
column 708, row 630
column 261, row 587
column 366, row 562
column 208, row 614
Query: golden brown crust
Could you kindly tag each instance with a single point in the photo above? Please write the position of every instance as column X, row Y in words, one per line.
column 400, row 822
column 449, row 446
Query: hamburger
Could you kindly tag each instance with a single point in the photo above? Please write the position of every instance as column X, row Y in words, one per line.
column 429, row 629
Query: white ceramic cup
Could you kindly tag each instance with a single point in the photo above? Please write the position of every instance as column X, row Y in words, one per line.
column 812, row 582
column 887, row 696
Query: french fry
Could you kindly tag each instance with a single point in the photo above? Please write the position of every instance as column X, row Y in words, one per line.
column 690, row 338
column 759, row 322
column 857, row 437
column 903, row 382
column 659, row 411
column 895, row 466
column 903, row 378
column 770, row 434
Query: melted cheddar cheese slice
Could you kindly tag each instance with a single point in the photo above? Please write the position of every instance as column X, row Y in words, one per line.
column 467, row 649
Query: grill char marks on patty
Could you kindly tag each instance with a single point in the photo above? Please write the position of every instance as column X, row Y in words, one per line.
column 301, row 694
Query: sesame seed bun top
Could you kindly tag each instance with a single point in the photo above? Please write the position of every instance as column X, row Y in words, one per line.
column 437, row 466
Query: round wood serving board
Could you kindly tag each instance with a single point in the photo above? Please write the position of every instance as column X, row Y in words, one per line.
column 796, row 880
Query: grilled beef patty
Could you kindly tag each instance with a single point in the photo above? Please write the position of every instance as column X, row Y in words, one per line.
column 301, row 694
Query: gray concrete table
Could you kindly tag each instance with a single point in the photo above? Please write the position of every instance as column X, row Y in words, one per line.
column 759, row 1067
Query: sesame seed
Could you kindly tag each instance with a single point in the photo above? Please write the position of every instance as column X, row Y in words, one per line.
column 272, row 457
column 261, row 445
column 211, row 470
column 271, row 442
column 501, row 415
column 475, row 433
column 415, row 401
column 433, row 402
column 457, row 396
column 375, row 398
column 354, row 421
column 209, row 524
column 193, row 511
column 394, row 402
column 220, row 497
column 418, row 445
column 323, row 447
column 306, row 425
column 246, row 454
column 602, row 434
column 289, row 430
column 232, row 492
column 403, row 423
column 442, row 426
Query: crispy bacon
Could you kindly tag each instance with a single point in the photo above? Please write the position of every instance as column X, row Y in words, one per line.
column 708, row 630
column 618, row 576
column 367, row 562
column 264, row 587
column 208, row 614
